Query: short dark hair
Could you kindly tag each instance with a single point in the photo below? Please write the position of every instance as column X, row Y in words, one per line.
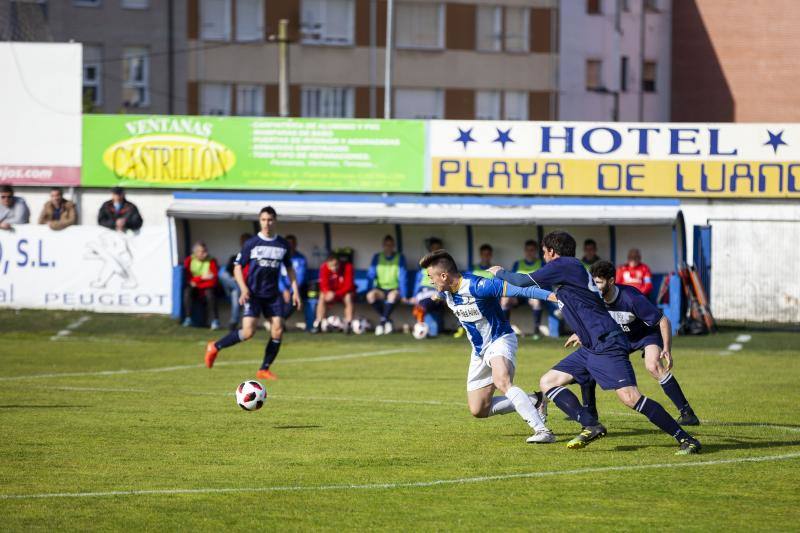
column 441, row 259
column 59, row 189
column 603, row 269
column 7, row 188
column 486, row 246
column 388, row 238
column 560, row 242
column 268, row 209
column 331, row 255
column 591, row 242
column 430, row 241
column 291, row 237
column 118, row 190
column 531, row 242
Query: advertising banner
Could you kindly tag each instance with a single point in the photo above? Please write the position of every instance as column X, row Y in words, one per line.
column 615, row 159
column 254, row 153
column 86, row 267
column 40, row 113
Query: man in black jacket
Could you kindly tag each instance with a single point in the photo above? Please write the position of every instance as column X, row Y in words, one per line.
column 118, row 213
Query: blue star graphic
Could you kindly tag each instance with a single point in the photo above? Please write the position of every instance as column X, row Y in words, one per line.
column 503, row 137
column 465, row 137
column 775, row 140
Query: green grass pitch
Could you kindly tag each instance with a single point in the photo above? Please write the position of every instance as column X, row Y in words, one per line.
column 116, row 425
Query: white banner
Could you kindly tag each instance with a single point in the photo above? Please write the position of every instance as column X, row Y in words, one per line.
column 86, row 267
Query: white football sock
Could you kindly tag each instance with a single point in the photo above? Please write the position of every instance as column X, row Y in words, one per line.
column 501, row 405
column 525, row 407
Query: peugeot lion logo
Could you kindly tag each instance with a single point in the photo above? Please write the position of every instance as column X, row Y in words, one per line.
column 117, row 260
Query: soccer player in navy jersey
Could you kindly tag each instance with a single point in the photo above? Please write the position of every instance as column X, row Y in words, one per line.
column 604, row 354
column 257, row 270
column 475, row 301
column 647, row 329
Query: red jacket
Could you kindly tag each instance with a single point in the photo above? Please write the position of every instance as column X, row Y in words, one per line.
column 340, row 282
column 638, row 276
column 199, row 282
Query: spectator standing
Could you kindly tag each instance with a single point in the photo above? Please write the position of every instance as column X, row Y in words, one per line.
column 58, row 213
column 635, row 273
column 336, row 284
column 231, row 288
column 118, row 213
column 201, row 273
column 590, row 256
column 13, row 209
column 300, row 265
column 388, row 283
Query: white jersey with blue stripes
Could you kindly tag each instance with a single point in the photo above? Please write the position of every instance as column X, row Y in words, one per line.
column 476, row 305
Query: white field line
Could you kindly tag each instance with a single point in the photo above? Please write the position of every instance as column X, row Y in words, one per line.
column 73, row 326
column 200, row 365
column 402, row 485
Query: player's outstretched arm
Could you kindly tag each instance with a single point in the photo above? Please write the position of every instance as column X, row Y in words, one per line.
column 513, row 278
column 528, row 292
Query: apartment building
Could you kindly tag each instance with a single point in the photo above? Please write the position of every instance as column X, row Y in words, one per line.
column 133, row 50
column 458, row 59
column 615, row 60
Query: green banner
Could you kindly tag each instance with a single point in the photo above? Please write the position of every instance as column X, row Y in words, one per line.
column 253, row 153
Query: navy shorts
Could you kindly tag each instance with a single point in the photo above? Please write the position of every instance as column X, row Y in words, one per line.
column 612, row 369
column 647, row 340
column 269, row 307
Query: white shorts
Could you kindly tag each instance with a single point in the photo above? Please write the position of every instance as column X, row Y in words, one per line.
column 479, row 374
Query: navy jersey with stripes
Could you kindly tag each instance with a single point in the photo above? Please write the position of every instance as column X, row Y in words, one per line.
column 261, row 259
column 636, row 315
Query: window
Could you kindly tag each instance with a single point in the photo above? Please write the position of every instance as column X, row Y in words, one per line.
column 135, row 4
column 419, row 103
column 215, row 20
column 651, row 5
column 419, row 25
column 249, row 100
column 327, row 21
column 487, row 105
column 593, row 7
column 626, row 5
column 489, row 29
column 594, row 78
column 515, row 105
column 93, row 74
column 649, row 77
column 250, row 20
column 623, row 74
column 516, row 29
column 215, row 99
column 135, row 77
column 332, row 102
column 90, row 3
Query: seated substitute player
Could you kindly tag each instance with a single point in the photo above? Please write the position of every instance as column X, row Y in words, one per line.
column 530, row 262
column 485, row 260
column 257, row 270
column 336, row 284
column 388, row 283
column 604, row 354
column 647, row 329
column 425, row 294
column 476, row 304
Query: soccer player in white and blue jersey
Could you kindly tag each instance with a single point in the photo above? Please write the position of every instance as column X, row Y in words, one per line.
column 475, row 302
column 603, row 357
column 257, row 269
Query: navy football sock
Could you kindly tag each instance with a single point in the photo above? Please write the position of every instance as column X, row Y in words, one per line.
column 537, row 320
column 507, row 314
column 234, row 337
column 377, row 305
column 673, row 390
column 388, row 307
column 568, row 402
column 659, row 416
column 589, row 398
column 270, row 352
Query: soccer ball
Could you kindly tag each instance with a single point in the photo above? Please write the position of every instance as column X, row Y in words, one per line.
column 332, row 323
column 420, row 330
column 251, row 395
column 360, row 326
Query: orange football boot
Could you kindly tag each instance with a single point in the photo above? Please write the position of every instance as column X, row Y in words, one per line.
column 266, row 374
column 211, row 353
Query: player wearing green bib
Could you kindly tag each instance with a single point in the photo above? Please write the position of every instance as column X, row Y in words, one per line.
column 528, row 264
column 388, row 283
column 486, row 253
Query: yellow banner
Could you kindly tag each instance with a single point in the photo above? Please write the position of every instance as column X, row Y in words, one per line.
column 730, row 179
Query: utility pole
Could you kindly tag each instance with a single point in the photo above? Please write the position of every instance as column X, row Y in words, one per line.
column 373, row 58
column 387, row 84
column 283, row 68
